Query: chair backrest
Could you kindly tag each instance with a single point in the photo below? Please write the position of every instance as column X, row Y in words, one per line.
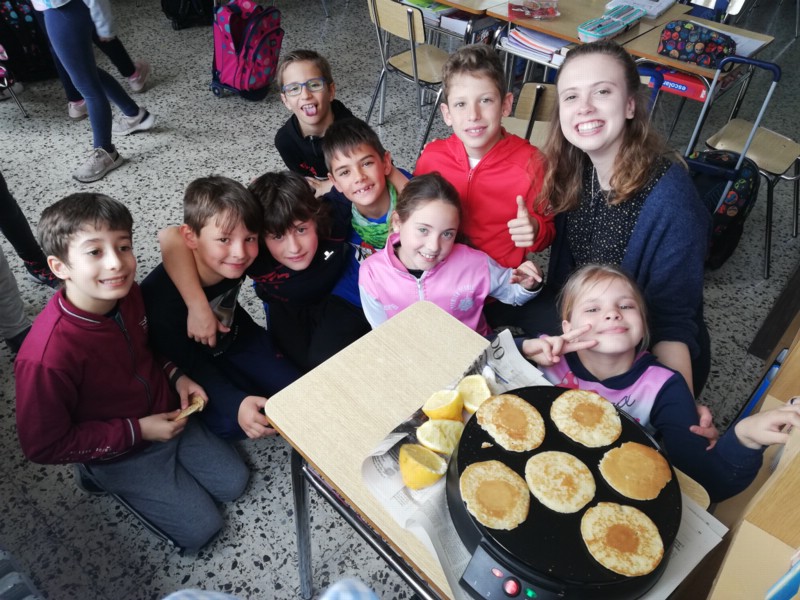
column 531, row 118
column 398, row 19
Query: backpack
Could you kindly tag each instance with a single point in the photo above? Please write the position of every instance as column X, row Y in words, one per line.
column 185, row 13
column 29, row 57
column 727, row 222
column 247, row 43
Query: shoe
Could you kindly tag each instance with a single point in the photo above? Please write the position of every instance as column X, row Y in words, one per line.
column 15, row 343
column 97, row 165
column 85, row 482
column 16, row 87
column 77, row 110
column 42, row 274
column 138, row 81
column 127, row 125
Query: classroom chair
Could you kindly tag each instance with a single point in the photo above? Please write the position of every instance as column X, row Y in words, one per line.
column 421, row 63
column 531, row 119
column 773, row 153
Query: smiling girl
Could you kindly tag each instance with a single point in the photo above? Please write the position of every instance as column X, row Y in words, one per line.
column 423, row 261
column 622, row 197
column 603, row 350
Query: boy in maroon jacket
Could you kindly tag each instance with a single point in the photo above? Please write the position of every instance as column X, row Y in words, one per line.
column 90, row 391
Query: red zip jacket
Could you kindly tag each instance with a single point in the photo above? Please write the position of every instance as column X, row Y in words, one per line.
column 489, row 192
column 83, row 381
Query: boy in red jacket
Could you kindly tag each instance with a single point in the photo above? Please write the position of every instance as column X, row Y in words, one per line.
column 90, row 391
column 497, row 175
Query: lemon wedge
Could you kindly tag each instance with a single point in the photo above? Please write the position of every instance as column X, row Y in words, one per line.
column 440, row 435
column 444, row 404
column 420, row 467
column 474, row 391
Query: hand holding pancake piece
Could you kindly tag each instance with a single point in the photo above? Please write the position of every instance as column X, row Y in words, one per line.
column 196, row 404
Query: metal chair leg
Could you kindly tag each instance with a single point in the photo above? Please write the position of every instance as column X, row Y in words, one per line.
column 302, row 528
column 796, row 203
column 434, row 110
column 768, row 231
column 325, row 8
column 381, row 81
column 11, row 91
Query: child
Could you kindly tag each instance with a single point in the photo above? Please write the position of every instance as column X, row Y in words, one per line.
column 302, row 259
column 497, row 175
column 70, row 28
column 620, row 199
column 359, row 168
column 422, row 261
column 222, row 225
column 308, row 90
column 90, row 391
column 603, row 348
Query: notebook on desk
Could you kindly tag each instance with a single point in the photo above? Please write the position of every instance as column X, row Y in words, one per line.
column 652, row 8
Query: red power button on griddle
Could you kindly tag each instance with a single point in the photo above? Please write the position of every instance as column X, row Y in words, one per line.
column 511, row 587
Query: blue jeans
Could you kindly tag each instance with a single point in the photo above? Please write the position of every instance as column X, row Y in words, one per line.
column 70, row 30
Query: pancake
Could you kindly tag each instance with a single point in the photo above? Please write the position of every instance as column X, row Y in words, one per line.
column 621, row 538
column 513, row 423
column 560, row 481
column 495, row 495
column 586, row 418
column 636, row 471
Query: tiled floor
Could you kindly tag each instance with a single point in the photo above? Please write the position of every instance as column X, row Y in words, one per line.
column 79, row 547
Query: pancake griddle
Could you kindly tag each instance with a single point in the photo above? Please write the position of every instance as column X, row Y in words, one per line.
column 548, row 545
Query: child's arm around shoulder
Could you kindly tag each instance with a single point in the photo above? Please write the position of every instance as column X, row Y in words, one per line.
column 201, row 324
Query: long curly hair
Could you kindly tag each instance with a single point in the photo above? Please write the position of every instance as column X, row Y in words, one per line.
column 641, row 145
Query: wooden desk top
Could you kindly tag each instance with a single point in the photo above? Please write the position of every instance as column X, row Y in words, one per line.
column 646, row 46
column 575, row 12
column 336, row 414
column 476, row 7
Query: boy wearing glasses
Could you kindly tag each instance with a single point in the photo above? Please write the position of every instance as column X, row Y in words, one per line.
column 308, row 90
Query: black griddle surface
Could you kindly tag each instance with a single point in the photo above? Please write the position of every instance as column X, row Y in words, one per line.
column 548, row 542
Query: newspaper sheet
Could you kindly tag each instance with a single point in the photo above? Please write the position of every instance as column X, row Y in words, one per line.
column 425, row 512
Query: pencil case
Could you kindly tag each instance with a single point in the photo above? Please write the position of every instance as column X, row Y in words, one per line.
column 612, row 23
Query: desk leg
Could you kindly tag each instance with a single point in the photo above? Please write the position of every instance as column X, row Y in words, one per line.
column 302, row 528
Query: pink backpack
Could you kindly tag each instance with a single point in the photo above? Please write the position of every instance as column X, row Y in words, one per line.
column 247, row 43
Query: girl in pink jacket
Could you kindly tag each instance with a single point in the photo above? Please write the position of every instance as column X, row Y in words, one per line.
column 423, row 261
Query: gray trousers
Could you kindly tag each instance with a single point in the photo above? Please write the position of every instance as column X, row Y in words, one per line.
column 176, row 485
column 12, row 312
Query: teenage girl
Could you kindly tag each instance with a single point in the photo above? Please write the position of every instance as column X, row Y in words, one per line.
column 603, row 349
column 299, row 273
column 621, row 198
column 70, row 28
column 422, row 261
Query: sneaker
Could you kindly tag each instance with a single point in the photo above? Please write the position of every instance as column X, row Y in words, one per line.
column 77, row 110
column 97, row 165
column 42, row 274
column 16, row 87
column 138, row 81
column 141, row 122
column 86, row 482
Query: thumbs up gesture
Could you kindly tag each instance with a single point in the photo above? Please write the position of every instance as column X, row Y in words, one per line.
column 523, row 229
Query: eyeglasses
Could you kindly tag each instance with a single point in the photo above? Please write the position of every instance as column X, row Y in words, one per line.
column 314, row 85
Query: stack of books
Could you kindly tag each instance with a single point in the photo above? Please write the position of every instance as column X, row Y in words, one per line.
column 534, row 45
column 431, row 11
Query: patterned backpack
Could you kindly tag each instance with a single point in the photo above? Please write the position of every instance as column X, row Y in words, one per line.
column 247, row 43
column 28, row 56
column 727, row 221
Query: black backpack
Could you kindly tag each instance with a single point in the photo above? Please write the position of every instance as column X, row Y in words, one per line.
column 727, row 221
column 29, row 57
column 185, row 13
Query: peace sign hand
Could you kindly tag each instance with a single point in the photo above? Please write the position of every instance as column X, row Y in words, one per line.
column 547, row 351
